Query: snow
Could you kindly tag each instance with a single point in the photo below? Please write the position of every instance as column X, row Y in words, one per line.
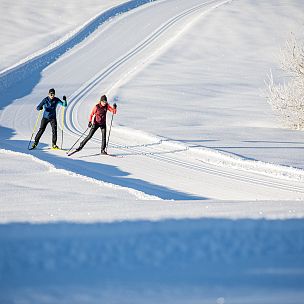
column 181, row 260
column 202, row 198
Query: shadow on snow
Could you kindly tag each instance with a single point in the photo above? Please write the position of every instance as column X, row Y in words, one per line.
column 32, row 68
column 103, row 172
column 204, row 251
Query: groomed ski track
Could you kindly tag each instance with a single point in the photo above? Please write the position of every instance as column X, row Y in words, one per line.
column 242, row 178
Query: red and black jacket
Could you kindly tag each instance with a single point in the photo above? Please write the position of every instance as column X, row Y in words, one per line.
column 99, row 114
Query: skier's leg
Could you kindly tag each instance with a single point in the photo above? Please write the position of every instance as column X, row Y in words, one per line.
column 89, row 136
column 54, row 131
column 103, row 135
column 44, row 122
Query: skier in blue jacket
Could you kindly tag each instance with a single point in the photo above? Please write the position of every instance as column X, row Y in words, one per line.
column 49, row 104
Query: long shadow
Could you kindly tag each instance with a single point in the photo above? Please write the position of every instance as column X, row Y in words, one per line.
column 21, row 80
column 102, row 172
column 274, row 141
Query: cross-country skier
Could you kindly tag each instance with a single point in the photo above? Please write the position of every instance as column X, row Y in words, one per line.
column 49, row 104
column 97, row 120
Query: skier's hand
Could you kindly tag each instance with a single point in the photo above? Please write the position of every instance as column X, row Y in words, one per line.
column 90, row 124
column 115, row 106
column 39, row 108
column 64, row 98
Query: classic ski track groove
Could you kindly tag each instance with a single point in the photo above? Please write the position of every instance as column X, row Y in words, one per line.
column 79, row 94
column 99, row 77
column 86, row 88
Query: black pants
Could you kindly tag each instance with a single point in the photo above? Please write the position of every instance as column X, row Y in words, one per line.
column 93, row 129
column 44, row 123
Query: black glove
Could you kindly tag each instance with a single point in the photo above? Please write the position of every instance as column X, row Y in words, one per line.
column 90, row 124
column 114, row 105
column 64, row 98
column 40, row 108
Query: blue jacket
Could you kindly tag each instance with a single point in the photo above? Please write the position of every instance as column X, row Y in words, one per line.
column 49, row 106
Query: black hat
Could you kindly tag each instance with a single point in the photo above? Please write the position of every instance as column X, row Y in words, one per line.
column 52, row 91
column 103, row 98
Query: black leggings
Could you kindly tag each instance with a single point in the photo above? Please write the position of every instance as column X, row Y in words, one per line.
column 103, row 129
column 44, row 123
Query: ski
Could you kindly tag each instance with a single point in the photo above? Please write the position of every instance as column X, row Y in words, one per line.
column 46, row 149
column 103, row 154
column 71, row 153
column 33, row 147
column 107, row 154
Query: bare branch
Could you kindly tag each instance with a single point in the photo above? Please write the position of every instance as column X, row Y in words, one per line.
column 287, row 99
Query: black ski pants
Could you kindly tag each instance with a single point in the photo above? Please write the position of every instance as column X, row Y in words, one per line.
column 44, row 123
column 93, row 129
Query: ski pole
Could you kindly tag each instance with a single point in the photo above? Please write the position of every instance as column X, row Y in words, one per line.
column 34, row 129
column 109, row 133
column 77, row 140
column 63, row 110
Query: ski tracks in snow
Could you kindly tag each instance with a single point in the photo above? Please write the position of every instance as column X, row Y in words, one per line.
column 177, row 155
column 180, row 156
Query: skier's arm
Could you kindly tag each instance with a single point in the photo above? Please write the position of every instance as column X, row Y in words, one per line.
column 113, row 109
column 91, row 116
column 64, row 102
column 40, row 106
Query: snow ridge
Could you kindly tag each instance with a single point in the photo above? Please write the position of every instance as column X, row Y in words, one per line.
column 217, row 158
column 222, row 159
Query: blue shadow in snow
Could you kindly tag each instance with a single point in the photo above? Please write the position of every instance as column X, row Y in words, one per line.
column 21, row 80
column 106, row 173
column 246, row 252
column 20, row 89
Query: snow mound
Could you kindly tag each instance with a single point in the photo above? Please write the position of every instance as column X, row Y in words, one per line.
column 214, row 157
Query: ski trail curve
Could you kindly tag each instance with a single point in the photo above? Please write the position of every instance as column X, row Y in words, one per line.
column 46, row 56
column 71, row 122
column 161, row 154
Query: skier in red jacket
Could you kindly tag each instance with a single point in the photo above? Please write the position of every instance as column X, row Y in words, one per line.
column 97, row 120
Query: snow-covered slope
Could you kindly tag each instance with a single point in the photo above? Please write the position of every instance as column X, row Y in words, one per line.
column 168, row 164
column 195, row 149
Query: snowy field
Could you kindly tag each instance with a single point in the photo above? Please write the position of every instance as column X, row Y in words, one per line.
column 201, row 200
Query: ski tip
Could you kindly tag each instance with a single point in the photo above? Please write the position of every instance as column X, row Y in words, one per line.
column 71, row 153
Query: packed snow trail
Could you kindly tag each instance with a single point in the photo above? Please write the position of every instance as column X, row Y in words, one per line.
column 151, row 150
column 168, row 173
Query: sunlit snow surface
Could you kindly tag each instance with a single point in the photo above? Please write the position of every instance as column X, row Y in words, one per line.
column 201, row 200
